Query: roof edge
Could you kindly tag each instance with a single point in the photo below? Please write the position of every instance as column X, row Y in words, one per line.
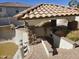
column 18, row 16
column 27, row 10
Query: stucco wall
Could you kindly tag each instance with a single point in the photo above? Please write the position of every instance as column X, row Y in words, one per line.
column 11, row 11
column 10, row 20
column 18, row 54
column 3, row 12
column 22, row 39
column 65, row 44
column 62, row 22
column 21, row 34
column 62, row 42
column 77, row 19
column 6, row 32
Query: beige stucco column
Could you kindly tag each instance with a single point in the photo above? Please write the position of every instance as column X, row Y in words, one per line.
column 60, row 22
column 77, row 19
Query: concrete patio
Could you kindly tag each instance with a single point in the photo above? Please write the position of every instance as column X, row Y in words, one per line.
column 66, row 54
column 39, row 53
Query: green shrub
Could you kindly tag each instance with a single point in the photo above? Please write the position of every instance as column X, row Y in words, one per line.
column 73, row 35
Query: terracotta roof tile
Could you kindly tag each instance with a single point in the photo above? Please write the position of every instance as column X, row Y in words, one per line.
column 48, row 10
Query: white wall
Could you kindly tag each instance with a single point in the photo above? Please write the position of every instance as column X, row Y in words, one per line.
column 65, row 44
column 22, row 37
column 18, row 36
column 62, row 42
column 21, row 34
column 18, row 54
column 60, row 22
column 77, row 19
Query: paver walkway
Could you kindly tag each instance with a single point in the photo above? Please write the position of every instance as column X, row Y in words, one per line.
column 64, row 53
column 67, row 54
column 38, row 52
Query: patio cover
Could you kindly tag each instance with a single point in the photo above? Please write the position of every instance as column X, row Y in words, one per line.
column 47, row 10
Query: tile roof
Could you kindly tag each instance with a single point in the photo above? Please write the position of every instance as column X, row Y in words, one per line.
column 47, row 10
column 13, row 4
